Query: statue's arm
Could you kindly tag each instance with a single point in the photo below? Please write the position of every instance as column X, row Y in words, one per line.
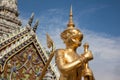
column 63, row 66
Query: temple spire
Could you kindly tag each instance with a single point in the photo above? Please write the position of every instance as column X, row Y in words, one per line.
column 9, row 20
column 71, row 23
column 12, row 4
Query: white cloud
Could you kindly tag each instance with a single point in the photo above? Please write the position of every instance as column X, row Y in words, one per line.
column 106, row 49
column 106, row 46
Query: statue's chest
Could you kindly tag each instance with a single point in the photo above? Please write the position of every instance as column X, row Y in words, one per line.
column 70, row 57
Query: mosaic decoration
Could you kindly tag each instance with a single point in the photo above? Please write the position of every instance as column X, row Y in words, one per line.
column 26, row 65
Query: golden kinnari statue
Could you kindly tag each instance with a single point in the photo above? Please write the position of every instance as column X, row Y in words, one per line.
column 71, row 65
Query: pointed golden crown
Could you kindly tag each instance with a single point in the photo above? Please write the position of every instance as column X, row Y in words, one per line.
column 71, row 23
column 71, row 31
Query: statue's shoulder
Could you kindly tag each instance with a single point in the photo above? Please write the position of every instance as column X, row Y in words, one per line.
column 59, row 51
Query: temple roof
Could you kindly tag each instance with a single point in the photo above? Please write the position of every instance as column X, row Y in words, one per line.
column 10, row 44
column 13, row 43
column 15, row 39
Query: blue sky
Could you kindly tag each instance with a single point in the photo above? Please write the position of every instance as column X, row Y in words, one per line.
column 99, row 21
column 100, row 16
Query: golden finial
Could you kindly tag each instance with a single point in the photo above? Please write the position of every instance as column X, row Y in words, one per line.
column 70, row 23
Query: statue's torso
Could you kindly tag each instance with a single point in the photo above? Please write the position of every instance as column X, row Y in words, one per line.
column 69, row 57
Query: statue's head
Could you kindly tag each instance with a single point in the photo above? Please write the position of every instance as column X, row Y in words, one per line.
column 72, row 35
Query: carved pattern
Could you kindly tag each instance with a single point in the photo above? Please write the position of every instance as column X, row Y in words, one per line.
column 26, row 65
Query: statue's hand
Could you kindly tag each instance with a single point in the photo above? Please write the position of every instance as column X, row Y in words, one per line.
column 88, row 55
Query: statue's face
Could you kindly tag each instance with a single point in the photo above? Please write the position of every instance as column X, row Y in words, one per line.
column 74, row 41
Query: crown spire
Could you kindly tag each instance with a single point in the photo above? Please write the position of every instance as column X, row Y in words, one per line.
column 71, row 23
column 71, row 30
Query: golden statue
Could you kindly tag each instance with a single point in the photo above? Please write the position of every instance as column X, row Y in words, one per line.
column 71, row 65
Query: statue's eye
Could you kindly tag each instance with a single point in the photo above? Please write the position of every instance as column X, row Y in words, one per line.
column 76, row 37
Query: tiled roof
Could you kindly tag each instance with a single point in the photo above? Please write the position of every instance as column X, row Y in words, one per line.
column 11, row 44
